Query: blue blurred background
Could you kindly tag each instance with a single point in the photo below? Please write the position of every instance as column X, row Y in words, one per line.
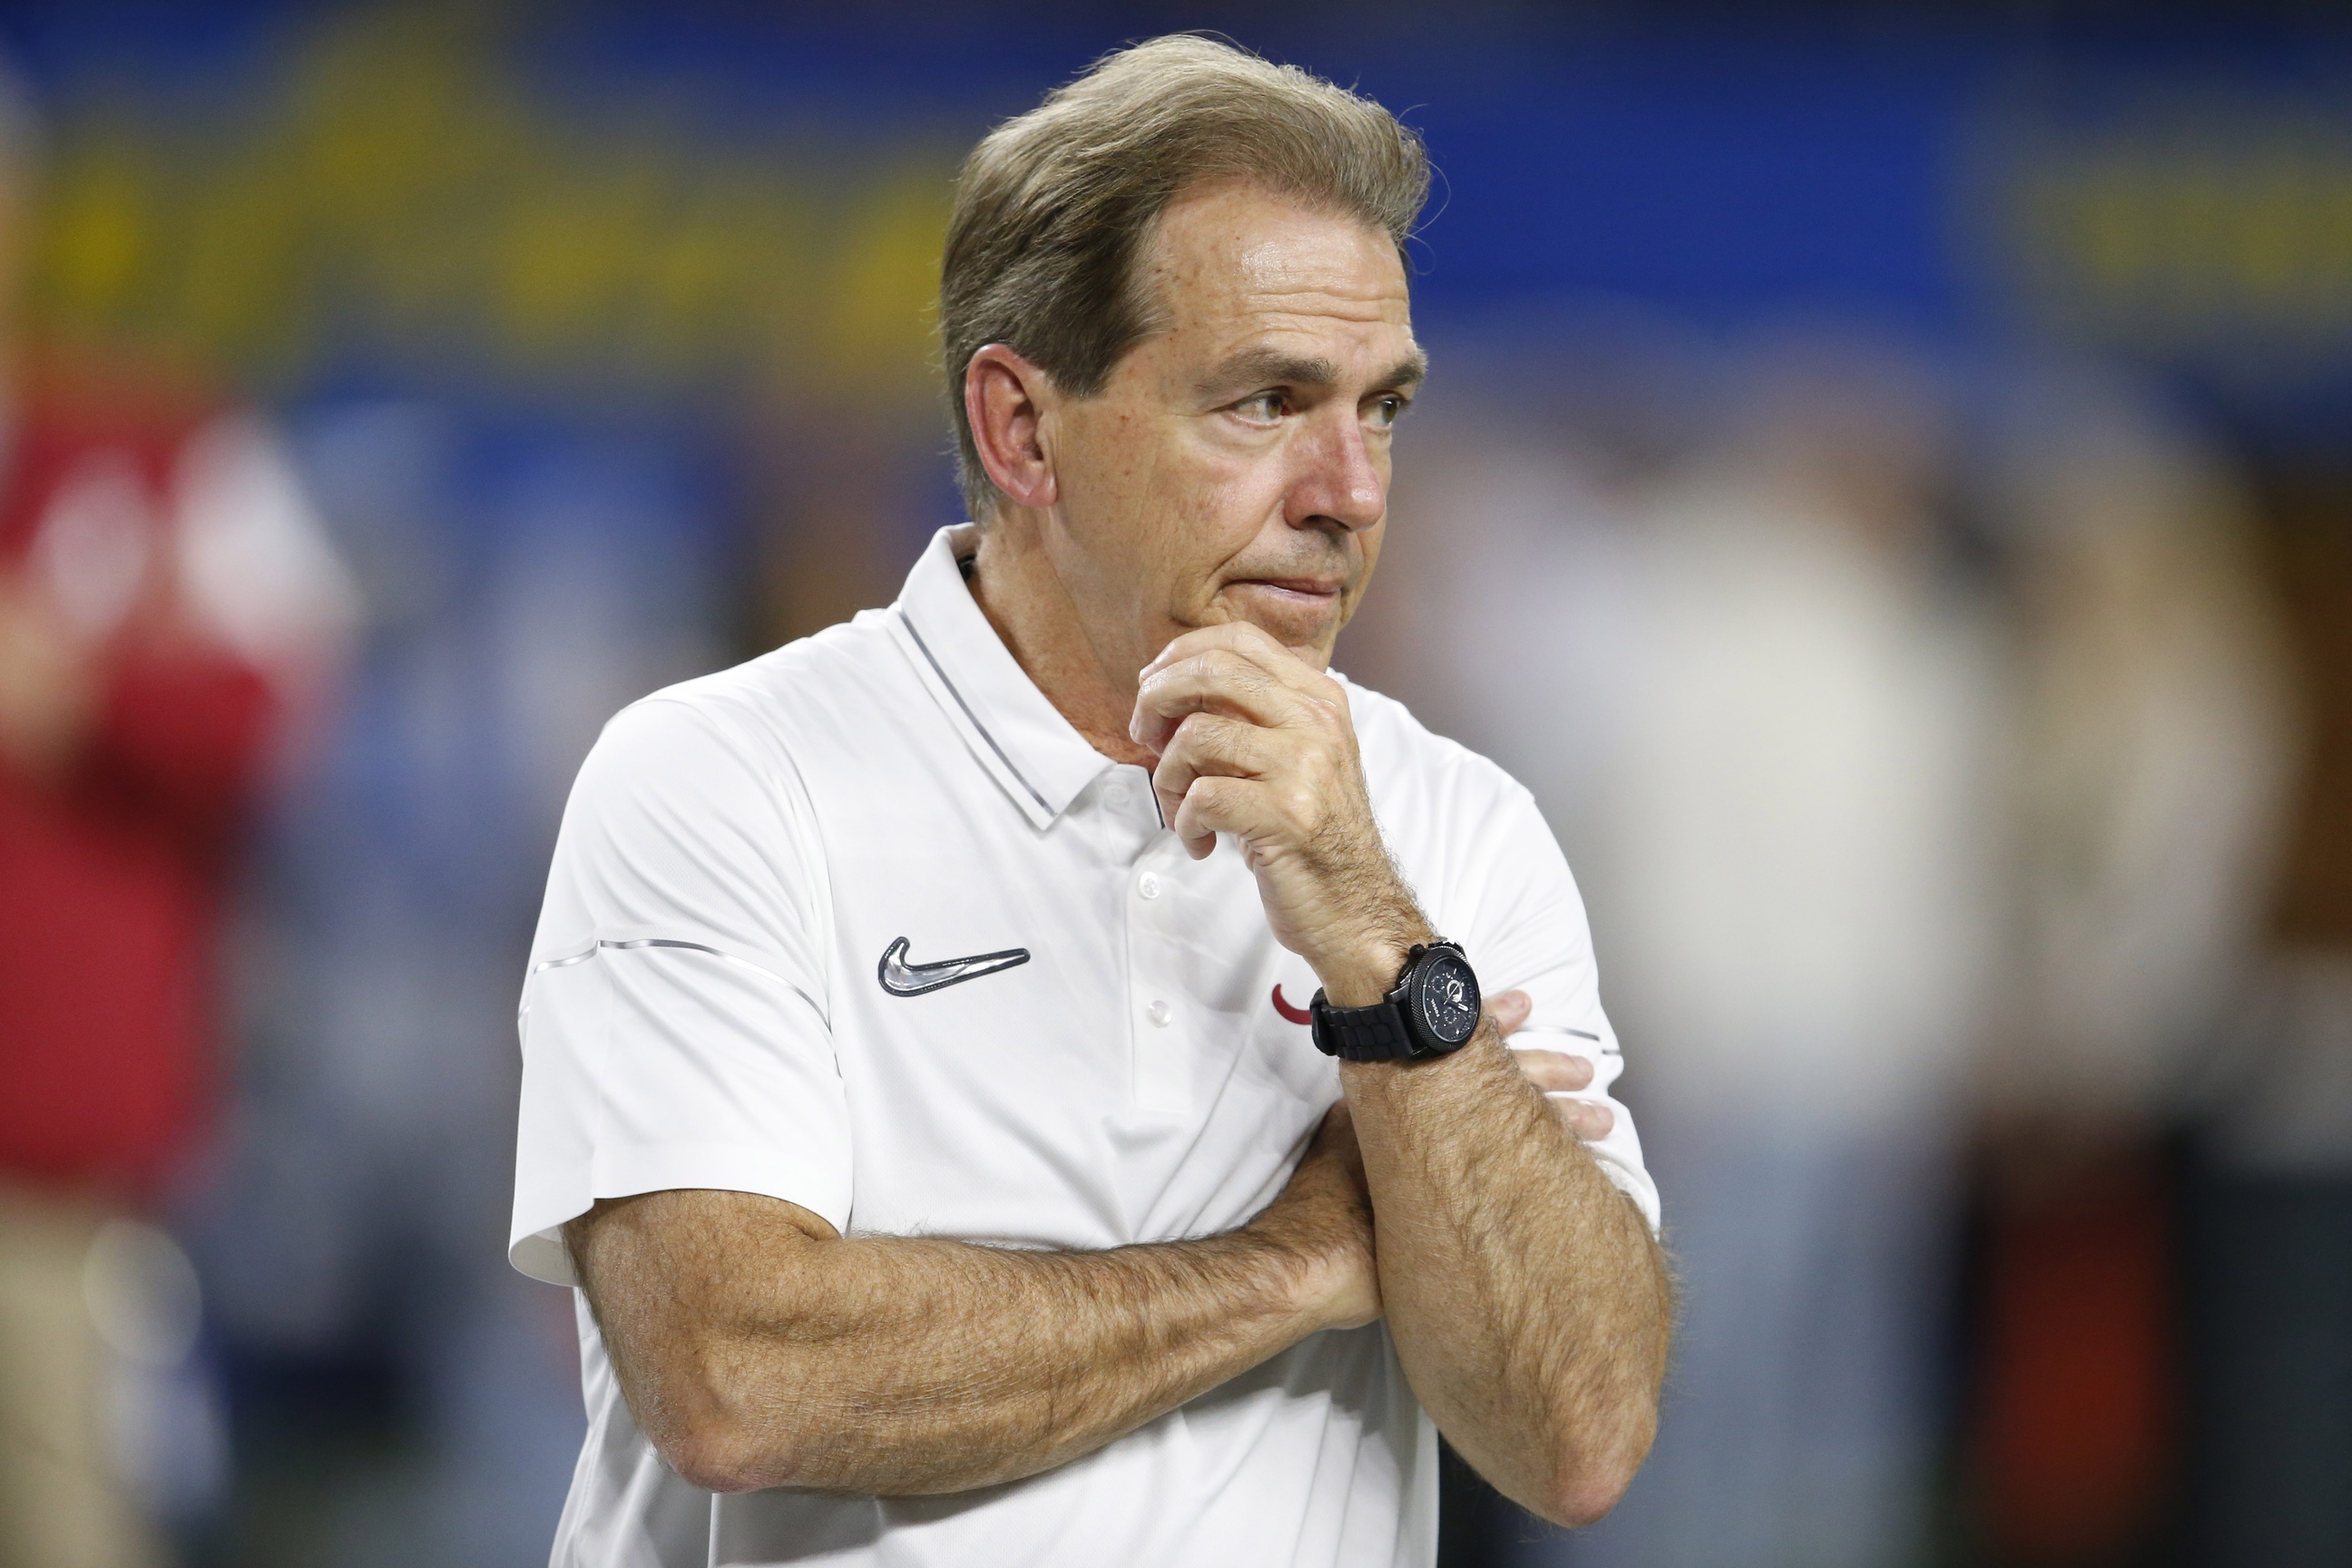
column 1886, row 486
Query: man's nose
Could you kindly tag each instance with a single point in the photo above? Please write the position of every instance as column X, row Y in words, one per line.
column 1338, row 482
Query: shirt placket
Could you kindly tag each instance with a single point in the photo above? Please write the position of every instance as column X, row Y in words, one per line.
column 1159, row 1021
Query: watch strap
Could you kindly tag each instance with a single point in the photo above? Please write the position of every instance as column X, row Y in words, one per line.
column 1373, row 1033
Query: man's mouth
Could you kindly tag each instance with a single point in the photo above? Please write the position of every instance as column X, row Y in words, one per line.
column 1304, row 590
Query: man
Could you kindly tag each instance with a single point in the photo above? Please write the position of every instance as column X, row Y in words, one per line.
column 920, row 1067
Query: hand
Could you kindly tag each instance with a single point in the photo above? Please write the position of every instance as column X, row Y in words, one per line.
column 1255, row 742
column 1324, row 1214
column 1560, row 1075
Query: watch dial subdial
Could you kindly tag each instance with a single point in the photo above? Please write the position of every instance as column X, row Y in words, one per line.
column 1449, row 1000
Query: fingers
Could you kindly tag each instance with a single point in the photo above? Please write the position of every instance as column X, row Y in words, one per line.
column 1554, row 1072
column 1215, row 802
column 1230, row 681
column 1208, row 746
column 1251, row 641
column 1231, row 703
column 1561, row 1077
column 1210, row 804
column 1510, row 1009
column 1227, row 783
column 1588, row 1120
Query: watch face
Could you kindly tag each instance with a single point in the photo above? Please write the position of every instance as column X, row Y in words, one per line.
column 1446, row 995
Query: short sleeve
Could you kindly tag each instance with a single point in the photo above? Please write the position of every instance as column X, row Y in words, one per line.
column 1527, row 931
column 674, row 1021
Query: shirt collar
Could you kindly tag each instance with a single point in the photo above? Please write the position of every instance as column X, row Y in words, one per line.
column 1019, row 737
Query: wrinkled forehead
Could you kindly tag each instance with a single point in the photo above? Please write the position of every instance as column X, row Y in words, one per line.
column 1232, row 266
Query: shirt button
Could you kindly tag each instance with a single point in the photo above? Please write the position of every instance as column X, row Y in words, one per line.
column 1148, row 886
column 1117, row 794
column 1159, row 1012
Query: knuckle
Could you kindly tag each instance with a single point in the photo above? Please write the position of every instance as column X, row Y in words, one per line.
column 1212, row 734
column 1197, row 728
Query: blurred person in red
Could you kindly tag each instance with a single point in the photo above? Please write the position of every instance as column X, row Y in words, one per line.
column 2150, row 754
column 165, row 603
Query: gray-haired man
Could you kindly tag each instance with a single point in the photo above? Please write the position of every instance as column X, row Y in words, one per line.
column 922, row 1079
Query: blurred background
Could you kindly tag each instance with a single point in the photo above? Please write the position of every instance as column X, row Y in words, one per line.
column 1886, row 486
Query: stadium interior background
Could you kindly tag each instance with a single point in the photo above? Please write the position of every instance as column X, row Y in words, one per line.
column 1886, row 486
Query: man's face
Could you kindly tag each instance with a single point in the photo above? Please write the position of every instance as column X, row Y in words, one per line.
column 1235, row 467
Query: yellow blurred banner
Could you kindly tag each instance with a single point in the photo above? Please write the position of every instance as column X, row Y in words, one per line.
column 391, row 187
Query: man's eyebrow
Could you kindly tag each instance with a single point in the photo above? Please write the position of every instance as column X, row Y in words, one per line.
column 1268, row 367
column 1407, row 373
column 1274, row 367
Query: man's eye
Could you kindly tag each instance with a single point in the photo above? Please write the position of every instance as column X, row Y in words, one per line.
column 1265, row 405
column 1386, row 410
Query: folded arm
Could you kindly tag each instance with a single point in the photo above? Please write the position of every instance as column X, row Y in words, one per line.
column 1529, row 1304
column 757, row 1347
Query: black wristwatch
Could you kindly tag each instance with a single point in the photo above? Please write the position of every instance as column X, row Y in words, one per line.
column 1433, row 1011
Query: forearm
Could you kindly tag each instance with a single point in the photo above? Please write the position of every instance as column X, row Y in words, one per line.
column 1527, row 1299
column 1529, row 1304
column 902, row 1367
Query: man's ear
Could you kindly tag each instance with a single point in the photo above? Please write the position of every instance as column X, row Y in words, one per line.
column 1005, row 397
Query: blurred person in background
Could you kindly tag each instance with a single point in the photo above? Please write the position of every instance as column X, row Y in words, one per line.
column 1797, row 856
column 2150, row 756
column 2154, row 740
column 168, row 608
column 395, row 1380
column 1761, row 710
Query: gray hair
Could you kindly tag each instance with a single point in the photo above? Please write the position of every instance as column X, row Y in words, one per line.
column 1053, row 207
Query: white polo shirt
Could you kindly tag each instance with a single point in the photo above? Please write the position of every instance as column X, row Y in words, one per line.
column 719, row 996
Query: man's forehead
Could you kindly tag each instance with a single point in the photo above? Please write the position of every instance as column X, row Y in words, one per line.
column 1315, row 257
column 1237, row 265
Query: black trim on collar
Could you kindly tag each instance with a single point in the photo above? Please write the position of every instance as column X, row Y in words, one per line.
column 909, row 622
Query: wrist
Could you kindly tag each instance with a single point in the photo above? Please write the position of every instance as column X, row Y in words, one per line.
column 1303, row 1276
column 1362, row 969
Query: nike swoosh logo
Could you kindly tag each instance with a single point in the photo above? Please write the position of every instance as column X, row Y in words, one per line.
column 1296, row 1014
column 901, row 978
